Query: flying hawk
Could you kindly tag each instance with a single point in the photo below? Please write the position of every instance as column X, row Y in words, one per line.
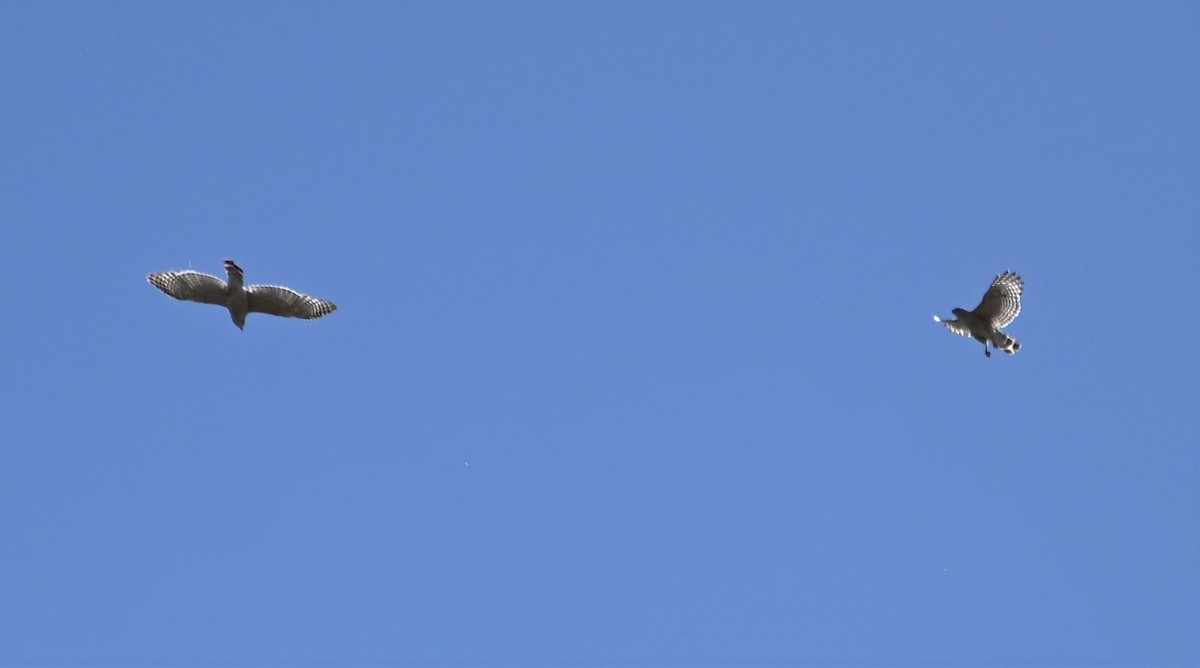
column 240, row 299
column 1000, row 306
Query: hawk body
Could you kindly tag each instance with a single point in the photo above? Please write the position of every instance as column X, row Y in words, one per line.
column 239, row 298
column 1000, row 306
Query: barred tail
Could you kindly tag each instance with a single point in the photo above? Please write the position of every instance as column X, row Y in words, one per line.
column 1002, row 341
column 236, row 277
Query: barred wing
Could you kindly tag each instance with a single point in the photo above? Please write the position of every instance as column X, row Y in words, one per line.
column 190, row 286
column 285, row 302
column 1002, row 302
column 956, row 326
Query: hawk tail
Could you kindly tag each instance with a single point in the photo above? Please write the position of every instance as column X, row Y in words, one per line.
column 1002, row 341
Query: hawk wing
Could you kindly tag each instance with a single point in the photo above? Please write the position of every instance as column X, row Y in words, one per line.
column 1002, row 302
column 281, row 301
column 955, row 326
column 191, row 286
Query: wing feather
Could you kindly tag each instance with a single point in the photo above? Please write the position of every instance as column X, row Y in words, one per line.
column 1002, row 302
column 956, row 326
column 285, row 302
column 190, row 286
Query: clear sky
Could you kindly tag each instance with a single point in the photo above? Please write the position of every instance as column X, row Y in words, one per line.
column 634, row 361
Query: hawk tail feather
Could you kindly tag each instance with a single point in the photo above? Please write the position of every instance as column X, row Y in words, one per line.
column 1002, row 341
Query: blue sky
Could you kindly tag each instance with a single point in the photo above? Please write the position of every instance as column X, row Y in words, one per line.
column 634, row 360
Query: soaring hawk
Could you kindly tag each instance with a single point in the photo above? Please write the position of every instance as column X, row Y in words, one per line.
column 240, row 299
column 1000, row 306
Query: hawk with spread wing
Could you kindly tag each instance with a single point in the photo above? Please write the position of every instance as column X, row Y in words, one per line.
column 240, row 299
column 1000, row 306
